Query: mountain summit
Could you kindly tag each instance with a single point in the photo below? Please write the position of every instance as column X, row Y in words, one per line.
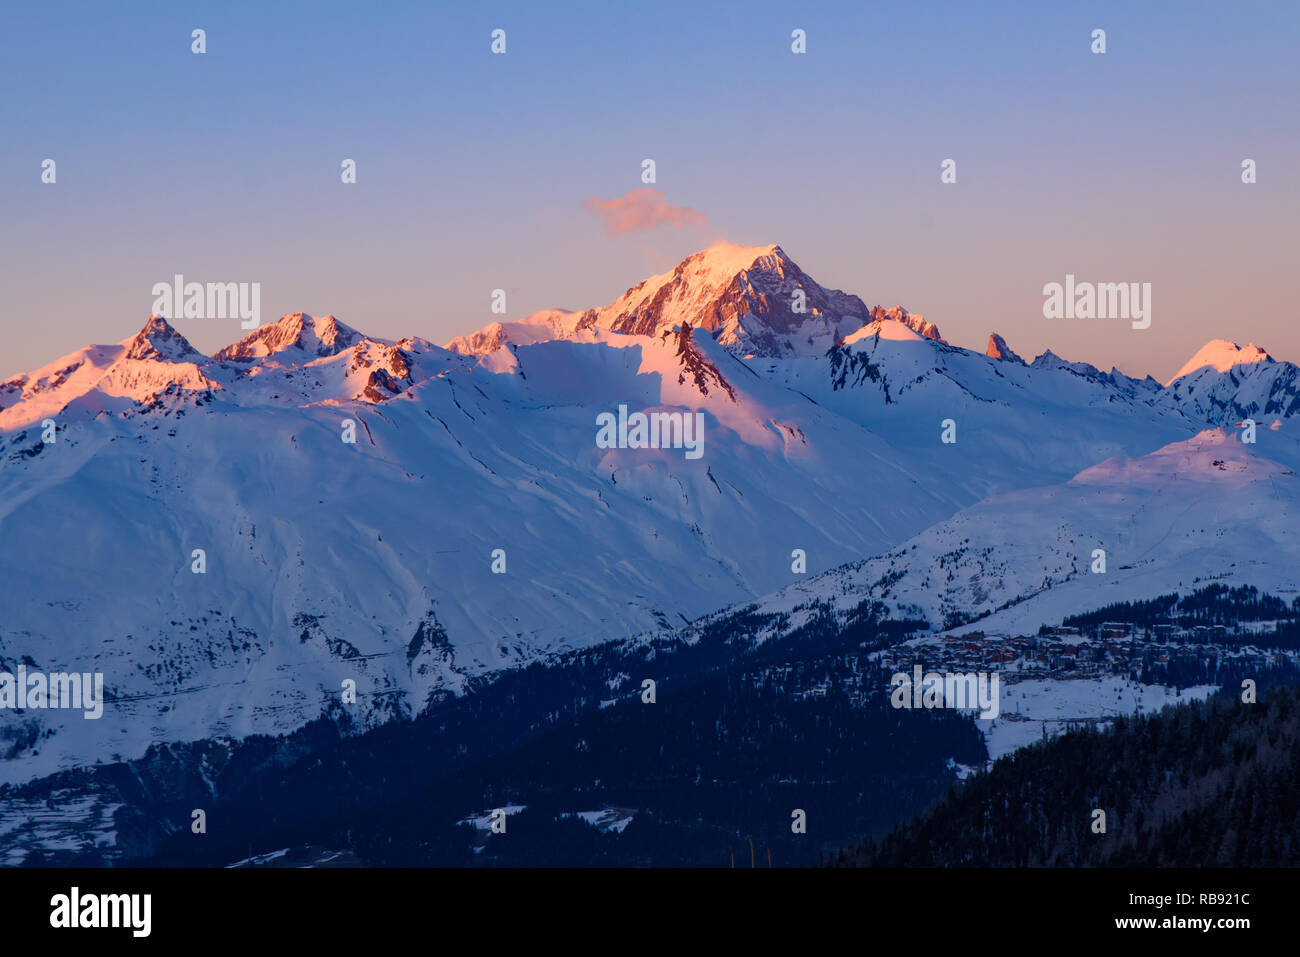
column 159, row 342
column 998, row 349
column 1221, row 355
column 324, row 336
column 753, row 300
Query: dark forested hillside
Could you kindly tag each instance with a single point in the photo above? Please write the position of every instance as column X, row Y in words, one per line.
column 737, row 733
column 1212, row 783
column 740, row 734
column 1190, row 617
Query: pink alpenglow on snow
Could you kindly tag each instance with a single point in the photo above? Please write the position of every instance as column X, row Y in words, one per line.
column 1221, row 355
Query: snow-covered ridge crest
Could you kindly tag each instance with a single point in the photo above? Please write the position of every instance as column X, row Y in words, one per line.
column 155, row 360
column 324, row 336
column 913, row 321
column 298, row 360
column 539, row 327
column 160, row 342
column 1028, row 558
column 753, row 300
column 1221, row 355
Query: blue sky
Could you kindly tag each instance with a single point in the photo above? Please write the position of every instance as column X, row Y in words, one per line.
column 473, row 168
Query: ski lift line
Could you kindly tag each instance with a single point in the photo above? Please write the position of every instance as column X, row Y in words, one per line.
column 1169, row 531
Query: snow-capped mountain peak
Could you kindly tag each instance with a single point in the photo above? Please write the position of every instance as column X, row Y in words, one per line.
column 720, row 263
column 912, row 320
column 884, row 328
column 160, row 342
column 539, row 327
column 155, row 359
column 316, row 336
column 753, row 300
column 744, row 295
column 1221, row 355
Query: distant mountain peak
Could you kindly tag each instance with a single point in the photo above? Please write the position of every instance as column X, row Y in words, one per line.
column 160, row 342
column 750, row 298
column 316, row 336
column 1222, row 355
column 912, row 320
column 540, row 326
column 1050, row 360
column 729, row 259
column 998, row 349
column 753, row 300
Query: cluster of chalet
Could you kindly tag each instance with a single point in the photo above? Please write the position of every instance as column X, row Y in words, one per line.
column 1062, row 652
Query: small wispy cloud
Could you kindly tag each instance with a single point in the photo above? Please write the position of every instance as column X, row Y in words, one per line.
column 640, row 210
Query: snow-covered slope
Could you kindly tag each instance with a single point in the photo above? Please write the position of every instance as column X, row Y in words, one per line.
column 1013, row 426
column 539, row 327
column 373, row 561
column 1224, row 385
column 327, row 560
column 1206, row 508
column 156, row 358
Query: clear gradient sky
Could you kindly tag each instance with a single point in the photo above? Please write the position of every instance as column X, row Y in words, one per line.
column 473, row 168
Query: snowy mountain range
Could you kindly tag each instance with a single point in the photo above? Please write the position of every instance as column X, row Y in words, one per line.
column 474, row 524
